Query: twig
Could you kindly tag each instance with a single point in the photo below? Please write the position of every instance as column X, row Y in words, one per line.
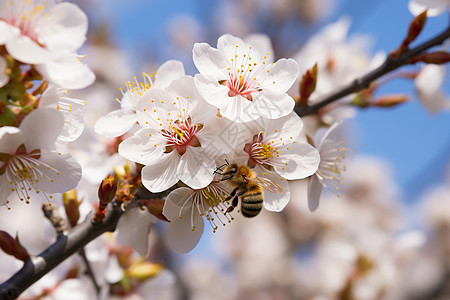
column 65, row 246
column 391, row 63
column 89, row 270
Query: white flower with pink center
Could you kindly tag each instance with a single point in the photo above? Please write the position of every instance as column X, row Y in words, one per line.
column 332, row 165
column 47, row 34
column 27, row 163
column 275, row 150
column 119, row 122
column 180, row 138
column 241, row 81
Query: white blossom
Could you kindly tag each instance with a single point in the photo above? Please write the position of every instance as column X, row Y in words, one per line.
column 332, row 164
column 240, row 79
column 27, row 162
column 120, row 121
column 180, row 138
column 429, row 85
column 275, row 150
column 47, row 34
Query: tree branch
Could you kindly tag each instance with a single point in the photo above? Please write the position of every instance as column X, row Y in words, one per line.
column 65, row 246
column 391, row 63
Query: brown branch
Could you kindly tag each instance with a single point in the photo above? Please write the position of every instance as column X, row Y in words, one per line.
column 391, row 63
column 65, row 246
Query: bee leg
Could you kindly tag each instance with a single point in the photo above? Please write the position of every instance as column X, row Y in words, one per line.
column 232, row 194
column 234, row 203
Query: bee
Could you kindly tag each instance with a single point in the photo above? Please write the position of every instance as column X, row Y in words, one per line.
column 247, row 186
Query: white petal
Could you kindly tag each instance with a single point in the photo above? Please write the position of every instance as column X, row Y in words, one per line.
column 219, row 136
column 134, row 230
column 287, row 128
column 177, row 202
column 180, row 236
column 213, row 92
column 300, row 161
column 116, row 123
column 73, row 125
column 65, row 173
column 435, row 7
column 50, row 97
column 7, row 32
column 281, row 76
column 68, row 72
column 73, row 289
column 65, row 28
column 269, row 105
column 25, row 50
column 275, row 201
column 41, row 128
column 230, row 46
column 262, row 44
column 141, row 147
column 4, row 78
column 168, row 72
column 314, row 192
column 196, row 169
column 210, row 62
column 160, row 176
column 10, row 139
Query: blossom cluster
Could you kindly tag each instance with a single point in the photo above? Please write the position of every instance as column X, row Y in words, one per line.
column 186, row 130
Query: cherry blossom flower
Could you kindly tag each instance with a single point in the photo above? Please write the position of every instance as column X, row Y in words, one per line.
column 4, row 78
column 241, row 80
column 185, row 209
column 27, row 163
column 275, row 150
column 120, row 121
column 340, row 59
column 435, row 7
column 71, row 109
column 329, row 173
column 428, row 85
column 180, row 137
column 47, row 34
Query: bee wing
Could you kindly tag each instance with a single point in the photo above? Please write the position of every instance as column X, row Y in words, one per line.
column 267, row 184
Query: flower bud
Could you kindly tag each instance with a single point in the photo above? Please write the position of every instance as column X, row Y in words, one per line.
column 142, row 270
column 308, row 84
column 390, row 100
column 155, row 207
column 437, row 58
column 71, row 205
column 12, row 246
column 107, row 190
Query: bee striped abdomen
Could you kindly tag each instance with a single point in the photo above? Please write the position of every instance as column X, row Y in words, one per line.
column 252, row 201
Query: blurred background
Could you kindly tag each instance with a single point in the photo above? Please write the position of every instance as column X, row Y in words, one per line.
column 386, row 236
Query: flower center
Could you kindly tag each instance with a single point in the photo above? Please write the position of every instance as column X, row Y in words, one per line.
column 181, row 134
column 244, row 75
column 24, row 14
column 259, row 152
column 24, row 171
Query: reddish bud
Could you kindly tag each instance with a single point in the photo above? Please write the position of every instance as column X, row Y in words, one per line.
column 390, row 100
column 71, row 205
column 155, row 207
column 438, row 58
column 12, row 246
column 415, row 27
column 308, row 84
column 107, row 190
